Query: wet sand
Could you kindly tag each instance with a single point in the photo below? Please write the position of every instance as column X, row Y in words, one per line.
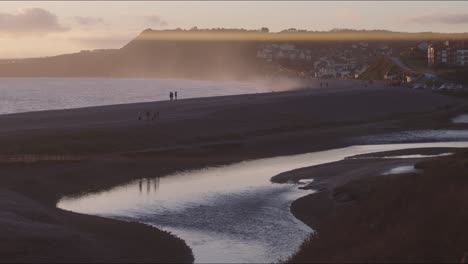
column 328, row 178
column 107, row 146
column 315, row 208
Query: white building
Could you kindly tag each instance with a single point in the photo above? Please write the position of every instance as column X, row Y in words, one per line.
column 302, row 56
column 286, row 47
column 423, row 46
column 461, row 57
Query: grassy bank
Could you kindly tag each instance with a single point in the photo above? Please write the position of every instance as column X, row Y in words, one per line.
column 378, row 69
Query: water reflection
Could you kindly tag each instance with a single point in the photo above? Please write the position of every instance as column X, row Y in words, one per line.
column 401, row 170
column 461, row 119
column 230, row 213
column 149, row 183
column 415, row 136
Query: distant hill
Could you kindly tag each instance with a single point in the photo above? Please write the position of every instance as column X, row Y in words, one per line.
column 146, row 56
column 195, row 54
column 154, row 53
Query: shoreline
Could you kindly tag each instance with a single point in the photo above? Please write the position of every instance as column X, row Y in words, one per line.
column 328, row 180
column 192, row 133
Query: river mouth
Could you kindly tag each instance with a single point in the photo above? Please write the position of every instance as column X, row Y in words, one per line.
column 229, row 213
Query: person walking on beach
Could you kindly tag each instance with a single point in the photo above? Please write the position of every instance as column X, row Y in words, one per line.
column 175, row 94
column 155, row 116
column 147, row 115
column 171, row 95
column 139, row 115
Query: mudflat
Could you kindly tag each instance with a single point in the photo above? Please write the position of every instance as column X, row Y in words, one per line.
column 46, row 155
column 364, row 216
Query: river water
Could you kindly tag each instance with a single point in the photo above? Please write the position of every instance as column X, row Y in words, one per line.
column 229, row 213
column 461, row 119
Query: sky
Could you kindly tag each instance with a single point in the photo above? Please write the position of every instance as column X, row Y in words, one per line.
column 37, row 28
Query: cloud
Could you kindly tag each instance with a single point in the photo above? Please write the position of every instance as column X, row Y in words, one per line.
column 156, row 20
column 30, row 21
column 88, row 21
column 450, row 19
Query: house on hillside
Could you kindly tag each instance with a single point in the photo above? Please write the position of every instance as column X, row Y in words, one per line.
column 451, row 53
column 422, row 46
column 363, row 45
column 461, row 57
column 302, row 55
column 390, row 76
column 411, row 78
column 287, row 47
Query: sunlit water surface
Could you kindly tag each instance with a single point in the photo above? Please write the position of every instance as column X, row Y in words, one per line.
column 36, row 94
column 229, row 213
column 415, row 136
column 461, row 119
column 401, row 170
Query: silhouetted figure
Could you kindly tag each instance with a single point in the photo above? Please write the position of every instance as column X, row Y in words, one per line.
column 147, row 115
column 140, row 185
column 155, row 115
column 139, row 115
column 175, row 95
column 156, row 184
column 171, row 95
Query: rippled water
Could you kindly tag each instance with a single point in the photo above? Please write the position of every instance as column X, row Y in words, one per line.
column 461, row 119
column 35, row 94
column 416, row 136
column 230, row 213
column 401, row 170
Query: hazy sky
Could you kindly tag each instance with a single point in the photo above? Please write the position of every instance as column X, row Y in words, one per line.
column 31, row 29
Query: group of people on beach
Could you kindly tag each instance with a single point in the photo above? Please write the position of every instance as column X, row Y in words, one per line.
column 153, row 115
column 173, row 95
column 148, row 115
column 366, row 83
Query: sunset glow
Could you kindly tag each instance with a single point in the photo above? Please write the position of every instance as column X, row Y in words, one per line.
column 57, row 27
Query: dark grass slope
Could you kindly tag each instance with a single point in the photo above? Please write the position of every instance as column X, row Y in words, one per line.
column 406, row 218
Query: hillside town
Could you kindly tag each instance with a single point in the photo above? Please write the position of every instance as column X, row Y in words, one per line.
column 420, row 65
column 343, row 61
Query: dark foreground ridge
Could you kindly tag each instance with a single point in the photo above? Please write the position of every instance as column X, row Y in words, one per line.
column 32, row 232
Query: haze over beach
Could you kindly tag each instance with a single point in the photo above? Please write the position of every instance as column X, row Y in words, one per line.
column 233, row 131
